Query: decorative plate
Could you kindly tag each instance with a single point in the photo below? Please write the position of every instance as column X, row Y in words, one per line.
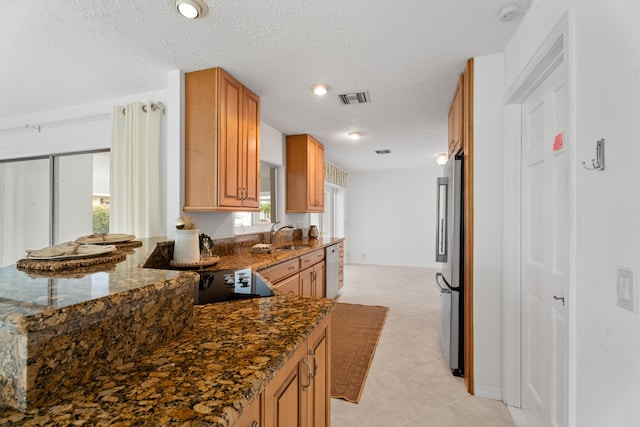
column 105, row 239
column 69, row 250
column 202, row 263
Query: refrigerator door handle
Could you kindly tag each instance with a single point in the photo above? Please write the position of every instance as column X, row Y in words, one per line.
column 446, row 290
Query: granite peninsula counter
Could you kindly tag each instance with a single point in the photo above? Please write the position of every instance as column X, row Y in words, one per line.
column 59, row 329
column 203, row 373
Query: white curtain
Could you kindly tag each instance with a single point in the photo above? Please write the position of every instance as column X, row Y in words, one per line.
column 135, row 171
column 10, row 217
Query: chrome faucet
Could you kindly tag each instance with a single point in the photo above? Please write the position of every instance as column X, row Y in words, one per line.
column 272, row 236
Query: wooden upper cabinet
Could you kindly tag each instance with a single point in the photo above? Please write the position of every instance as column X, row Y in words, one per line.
column 222, row 143
column 305, row 174
column 455, row 144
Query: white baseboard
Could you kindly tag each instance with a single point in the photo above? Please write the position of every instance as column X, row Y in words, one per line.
column 518, row 417
column 494, row 393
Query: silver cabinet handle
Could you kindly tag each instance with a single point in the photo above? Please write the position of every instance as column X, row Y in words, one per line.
column 306, row 362
column 315, row 363
column 255, row 424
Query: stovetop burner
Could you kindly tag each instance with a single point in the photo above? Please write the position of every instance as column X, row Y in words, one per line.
column 231, row 284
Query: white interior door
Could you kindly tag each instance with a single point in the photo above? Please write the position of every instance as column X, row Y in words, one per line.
column 545, row 252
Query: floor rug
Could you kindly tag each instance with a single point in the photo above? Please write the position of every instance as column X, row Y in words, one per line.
column 355, row 331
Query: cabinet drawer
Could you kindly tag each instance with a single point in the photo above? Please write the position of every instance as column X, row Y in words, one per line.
column 311, row 258
column 278, row 272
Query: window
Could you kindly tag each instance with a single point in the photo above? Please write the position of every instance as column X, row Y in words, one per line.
column 51, row 199
column 251, row 222
column 331, row 221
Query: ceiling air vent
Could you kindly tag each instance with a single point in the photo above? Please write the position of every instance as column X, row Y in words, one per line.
column 355, row 97
column 383, row 151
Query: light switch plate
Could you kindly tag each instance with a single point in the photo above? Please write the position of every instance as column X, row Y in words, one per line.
column 626, row 288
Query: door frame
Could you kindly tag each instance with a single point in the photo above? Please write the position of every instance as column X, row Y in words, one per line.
column 557, row 50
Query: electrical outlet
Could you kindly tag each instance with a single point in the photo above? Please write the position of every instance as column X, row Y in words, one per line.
column 626, row 288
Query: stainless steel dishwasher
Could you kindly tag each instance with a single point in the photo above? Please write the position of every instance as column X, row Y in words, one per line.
column 332, row 258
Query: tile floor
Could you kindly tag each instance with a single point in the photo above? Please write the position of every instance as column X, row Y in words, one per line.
column 409, row 383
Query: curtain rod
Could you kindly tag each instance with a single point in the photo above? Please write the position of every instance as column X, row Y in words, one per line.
column 154, row 106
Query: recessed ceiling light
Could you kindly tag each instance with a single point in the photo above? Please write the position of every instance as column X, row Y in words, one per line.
column 442, row 159
column 188, row 8
column 355, row 135
column 320, row 89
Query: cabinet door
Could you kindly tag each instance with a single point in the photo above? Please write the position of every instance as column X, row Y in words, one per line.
column 306, row 282
column 250, row 187
column 315, row 177
column 252, row 415
column 318, row 399
column 290, row 285
column 201, row 140
column 319, row 177
column 285, row 402
column 230, row 148
column 318, row 280
column 305, row 174
column 455, row 120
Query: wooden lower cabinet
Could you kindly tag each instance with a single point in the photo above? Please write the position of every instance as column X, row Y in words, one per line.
column 253, row 416
column 320, row 391
column 290, row 285
column 312, row 281
column 303, row 275
column 299, row 393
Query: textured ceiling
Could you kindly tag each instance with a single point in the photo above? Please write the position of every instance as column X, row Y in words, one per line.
column 407, row 54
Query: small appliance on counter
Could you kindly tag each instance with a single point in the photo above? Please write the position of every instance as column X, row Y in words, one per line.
column 230, row 284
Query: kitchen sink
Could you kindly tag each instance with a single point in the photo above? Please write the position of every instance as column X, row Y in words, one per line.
column 292, row 247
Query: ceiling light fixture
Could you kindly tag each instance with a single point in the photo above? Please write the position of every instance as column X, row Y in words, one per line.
column 355, row 135
column 509, row 12
column 442, row 159
column 188, row 8
column 320, row 89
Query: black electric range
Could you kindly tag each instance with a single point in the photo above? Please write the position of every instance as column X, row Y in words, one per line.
column 227, row 285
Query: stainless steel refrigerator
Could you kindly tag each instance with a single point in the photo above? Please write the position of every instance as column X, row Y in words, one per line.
column 449, row 250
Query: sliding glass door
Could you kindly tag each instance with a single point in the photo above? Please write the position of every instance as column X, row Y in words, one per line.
column 51, row 199
column 25, row 200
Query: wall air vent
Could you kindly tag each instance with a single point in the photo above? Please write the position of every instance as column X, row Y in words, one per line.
column 355, row 97
column 383, row 151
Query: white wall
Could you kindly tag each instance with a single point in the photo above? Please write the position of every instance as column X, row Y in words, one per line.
column 78, row 128
column 487, row 230
column 391, row 217
column 220, row 224
column 607, row 87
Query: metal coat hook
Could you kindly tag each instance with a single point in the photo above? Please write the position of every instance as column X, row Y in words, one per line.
column 598, row 162
column 34, row 127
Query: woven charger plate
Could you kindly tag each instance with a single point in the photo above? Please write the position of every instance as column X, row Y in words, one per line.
column 128, row 245
column 69, row 264
column 204, row 262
